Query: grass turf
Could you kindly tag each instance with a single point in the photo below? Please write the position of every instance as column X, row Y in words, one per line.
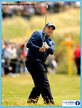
column 15, row 91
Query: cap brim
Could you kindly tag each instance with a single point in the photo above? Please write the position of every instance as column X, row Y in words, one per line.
column 52, row 26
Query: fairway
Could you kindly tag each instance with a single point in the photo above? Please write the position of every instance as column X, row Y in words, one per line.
column 15, row 90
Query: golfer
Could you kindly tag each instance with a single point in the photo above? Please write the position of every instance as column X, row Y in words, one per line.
column 40, row 45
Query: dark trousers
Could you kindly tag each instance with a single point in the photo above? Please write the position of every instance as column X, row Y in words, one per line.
column 77, row 61
column 13, row 65
column 39, row 75
column 18, row 66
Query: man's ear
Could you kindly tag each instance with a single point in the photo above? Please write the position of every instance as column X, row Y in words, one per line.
column 44, row 28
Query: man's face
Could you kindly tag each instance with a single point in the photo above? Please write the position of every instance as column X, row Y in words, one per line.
column 49, row 31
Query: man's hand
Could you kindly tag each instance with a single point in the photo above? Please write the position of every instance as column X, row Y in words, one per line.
column 10, row 68
column 42, row 49
column 45, row 45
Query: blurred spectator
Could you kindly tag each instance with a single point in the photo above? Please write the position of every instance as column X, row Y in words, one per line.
column 68, row 4
column 40, row 9
column 77, row 55
column 3, row 61
column 6, row 12
column 7, row 51
column 28, row 11
column 51, row 64
column 24, row 57
column 31, row 10
column 14, row 57
column 3, row 47
column 2, row 54
column 76, row 4
column 19, row 58
column 6, row 57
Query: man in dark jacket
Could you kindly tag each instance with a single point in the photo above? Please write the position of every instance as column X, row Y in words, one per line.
column 40, row 46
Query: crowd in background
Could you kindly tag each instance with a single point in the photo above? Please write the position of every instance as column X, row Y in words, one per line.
column 14, row 55
column 13, row 59
column 28, row 9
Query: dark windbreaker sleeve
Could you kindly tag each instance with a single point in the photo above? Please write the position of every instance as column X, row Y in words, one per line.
column 31, row 43
column 51, row 48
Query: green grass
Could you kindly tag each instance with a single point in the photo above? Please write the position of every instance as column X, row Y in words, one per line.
column 15, row 91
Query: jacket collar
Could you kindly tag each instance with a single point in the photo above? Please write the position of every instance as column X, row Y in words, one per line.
column 45, row 35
